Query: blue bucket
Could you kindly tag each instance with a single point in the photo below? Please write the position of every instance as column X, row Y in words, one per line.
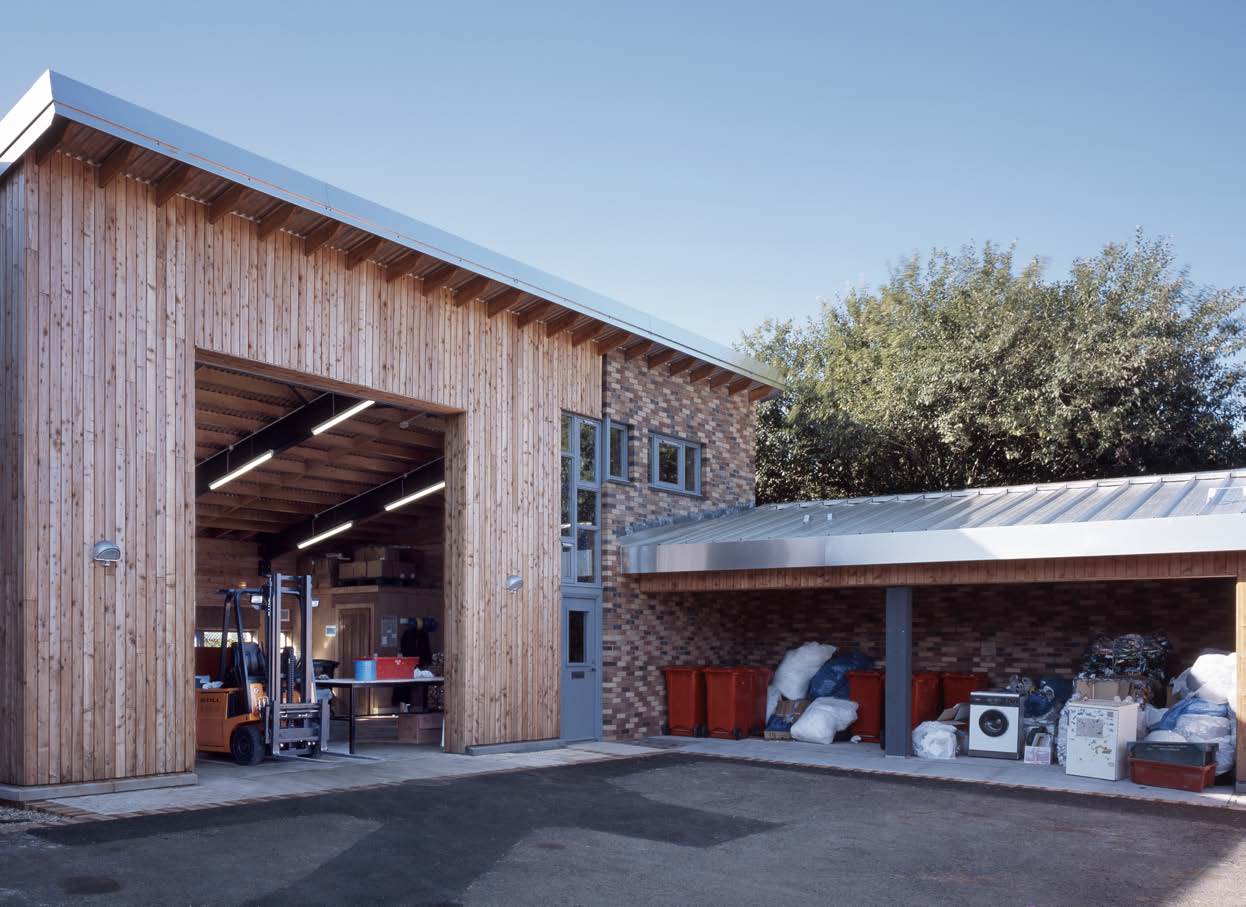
column 365, row 669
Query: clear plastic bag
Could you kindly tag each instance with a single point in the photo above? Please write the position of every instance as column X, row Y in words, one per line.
column 824, row 719
column 798, row 667
column 934, row 740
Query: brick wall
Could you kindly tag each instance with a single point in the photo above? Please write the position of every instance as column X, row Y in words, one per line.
column 1028, row 629
column 650, row 400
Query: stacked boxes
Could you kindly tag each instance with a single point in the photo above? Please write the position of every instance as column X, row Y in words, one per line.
column 382, row 562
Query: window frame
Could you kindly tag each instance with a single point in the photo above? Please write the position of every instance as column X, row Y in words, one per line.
column 624, row 476
column 570, row 491
column 682, row 445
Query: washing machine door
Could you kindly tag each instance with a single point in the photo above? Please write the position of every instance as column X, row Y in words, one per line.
column 993, row 723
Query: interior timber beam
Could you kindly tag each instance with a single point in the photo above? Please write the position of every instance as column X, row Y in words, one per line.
column 560, row 322
column 114, row 165
column 586, row 332
column 761, row 392
column 437, row 278
column 612, row 341
column 738, row 385
column 401, row 266
column 636, row 350
column 681, row 365
column 496, row 305
column 320, row 236
column 226, row 202
column 50, row 140
column 721, row 378
column 660, row 358
column 290, row 429
column 274, row 220
column 173, row 182
column 371, row 503
column 704, row 370
column 470, row 290
column 361, row 252
column 527, row 316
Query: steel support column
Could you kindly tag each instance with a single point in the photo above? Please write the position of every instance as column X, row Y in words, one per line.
column 897, row 739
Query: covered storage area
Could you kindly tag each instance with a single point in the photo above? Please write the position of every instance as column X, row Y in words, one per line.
column 1019, row 585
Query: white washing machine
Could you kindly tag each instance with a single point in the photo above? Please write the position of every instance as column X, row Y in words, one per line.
column 995, row 725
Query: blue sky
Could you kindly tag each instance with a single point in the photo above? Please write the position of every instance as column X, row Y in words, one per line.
column 713, row 163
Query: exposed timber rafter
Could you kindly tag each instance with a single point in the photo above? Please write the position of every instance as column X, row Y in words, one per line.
column 636, row 350
column 116, row 162
column 661, row 357
column 612, row 341
column 226, row 202
column 495, row 305
column 586, row 332
column 534, row 313
column 704, row 370
column 361, row 252
column 437, row 278
column 401, row 266
column 681, row 365
column 172, row 183
column 721, row 378
column 274, row 220
column 471, row 290
column 50, row 140
column 320, row 236
column 560, row 322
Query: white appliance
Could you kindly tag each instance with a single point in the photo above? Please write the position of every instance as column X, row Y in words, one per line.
column 1099, row 734
column 995, row 726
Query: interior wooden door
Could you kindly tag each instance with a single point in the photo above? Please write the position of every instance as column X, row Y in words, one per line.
column 354, row 640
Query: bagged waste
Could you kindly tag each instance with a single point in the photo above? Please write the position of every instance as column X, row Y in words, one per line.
column 1213, row 677
column 824, row 719
column 772, row 699
column 1204, row 727
column 1192, row 705
column 934, row 740
column 1226, row 753
column 1137, row 655
column 798, row 667
column 1164, row 737
column 832, row 678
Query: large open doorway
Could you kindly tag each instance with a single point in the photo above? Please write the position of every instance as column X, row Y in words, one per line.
column 347, row 490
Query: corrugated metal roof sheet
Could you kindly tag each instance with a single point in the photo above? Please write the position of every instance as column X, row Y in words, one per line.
column 1110, row 516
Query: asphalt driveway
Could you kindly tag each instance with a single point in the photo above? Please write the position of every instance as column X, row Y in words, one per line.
column 665, row 829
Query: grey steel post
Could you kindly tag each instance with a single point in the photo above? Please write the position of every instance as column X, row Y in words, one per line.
column 897, row 738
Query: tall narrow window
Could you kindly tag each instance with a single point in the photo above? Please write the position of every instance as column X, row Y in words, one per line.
column 675, row 464
column 617, row 466
column 579, row 534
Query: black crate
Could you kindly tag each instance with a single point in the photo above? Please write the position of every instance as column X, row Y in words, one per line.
column 1175, row 753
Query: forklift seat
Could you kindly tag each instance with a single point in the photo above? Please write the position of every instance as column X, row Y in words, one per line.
column 256, row 664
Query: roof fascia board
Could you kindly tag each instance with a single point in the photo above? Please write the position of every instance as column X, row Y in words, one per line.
column 1109, row 538
column 28, row 120
column 81, row 103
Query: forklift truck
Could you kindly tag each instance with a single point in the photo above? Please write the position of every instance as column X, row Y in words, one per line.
column 267, row 703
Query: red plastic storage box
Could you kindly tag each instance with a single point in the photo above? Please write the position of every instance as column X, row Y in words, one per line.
column 925, row 697
column 685, row 701
column 866, row 689
column 957, row 687
column 393, row 668
column 1168, row 774
column 735, row 701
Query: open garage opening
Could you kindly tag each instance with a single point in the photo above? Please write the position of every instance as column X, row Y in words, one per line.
column 342, row 487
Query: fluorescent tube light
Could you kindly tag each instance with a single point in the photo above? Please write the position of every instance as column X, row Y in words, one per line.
column 342, row 416
column 245, row 467
column 422, row 493
column 324, row 535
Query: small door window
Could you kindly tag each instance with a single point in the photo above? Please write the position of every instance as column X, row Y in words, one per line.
column 577, row 637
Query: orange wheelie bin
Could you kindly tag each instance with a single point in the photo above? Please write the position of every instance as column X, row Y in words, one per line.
column 957, row 687
column 685, row 700
column 735, row 701
column 866, row 689
column 925, row 696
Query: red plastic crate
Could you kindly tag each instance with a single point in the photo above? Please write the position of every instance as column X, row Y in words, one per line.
column 395, row 668
column 685, row 701
column 733, row 706
column 1168, row 774
column 955, row 688
column 866, row 689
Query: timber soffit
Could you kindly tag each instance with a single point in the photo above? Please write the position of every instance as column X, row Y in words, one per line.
column 54, row 95
column 1168, row 514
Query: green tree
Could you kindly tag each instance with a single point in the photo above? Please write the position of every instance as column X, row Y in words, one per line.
column 964, row 370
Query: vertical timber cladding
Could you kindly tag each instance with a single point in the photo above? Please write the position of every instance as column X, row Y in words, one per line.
column 105, row 430
column 266, row 302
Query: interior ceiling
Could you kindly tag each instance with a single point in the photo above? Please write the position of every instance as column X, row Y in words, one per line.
column 379, row 444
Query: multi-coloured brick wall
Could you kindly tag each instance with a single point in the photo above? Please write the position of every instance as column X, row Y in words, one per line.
column 653, row 401
column 1027, row 629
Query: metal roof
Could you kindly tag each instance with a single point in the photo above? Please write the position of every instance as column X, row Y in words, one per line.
column 56, row 95
column 1189, row 512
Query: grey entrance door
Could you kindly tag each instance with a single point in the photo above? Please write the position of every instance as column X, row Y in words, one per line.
column 581, row 668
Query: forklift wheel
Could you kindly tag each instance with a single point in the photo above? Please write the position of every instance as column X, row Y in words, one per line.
column 247, row 745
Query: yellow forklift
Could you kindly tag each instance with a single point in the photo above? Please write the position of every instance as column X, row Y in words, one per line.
column 266, row 704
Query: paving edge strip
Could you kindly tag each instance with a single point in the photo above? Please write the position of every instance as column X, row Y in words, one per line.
column 971, row 782
column 74, row 815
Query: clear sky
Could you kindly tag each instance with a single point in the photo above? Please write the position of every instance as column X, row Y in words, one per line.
column 713, row 163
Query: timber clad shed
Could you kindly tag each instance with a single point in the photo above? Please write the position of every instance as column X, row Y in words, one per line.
column 179, row 322
column 1095, row 536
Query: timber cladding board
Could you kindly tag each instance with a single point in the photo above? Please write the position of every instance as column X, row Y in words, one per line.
column 115, row 299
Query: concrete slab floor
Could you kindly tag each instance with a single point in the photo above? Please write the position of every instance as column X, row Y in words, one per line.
column 866, row 757
column 221, row 782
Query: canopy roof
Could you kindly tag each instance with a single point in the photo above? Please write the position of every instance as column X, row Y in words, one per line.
column 119, row 137
column 1169, row 514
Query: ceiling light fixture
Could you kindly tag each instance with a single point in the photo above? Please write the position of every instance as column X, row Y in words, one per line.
column 342, row 416
column 326, row 534
column 423, row 493
column 244, row 468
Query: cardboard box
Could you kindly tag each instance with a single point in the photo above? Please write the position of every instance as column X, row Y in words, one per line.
column 420, row 727
column 1108, row 689
column 384, row 553
column 790, row 710
column 352, row 570
column 957, row 716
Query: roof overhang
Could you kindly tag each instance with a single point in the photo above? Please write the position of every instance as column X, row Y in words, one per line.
column 1115, row 538
column 55, row 95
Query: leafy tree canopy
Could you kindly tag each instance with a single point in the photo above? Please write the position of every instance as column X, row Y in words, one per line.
column 963, row 370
